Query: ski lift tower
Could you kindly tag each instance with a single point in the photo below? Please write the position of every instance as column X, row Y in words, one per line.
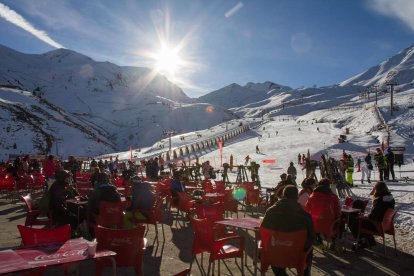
column 391, row 83
column 169, row 133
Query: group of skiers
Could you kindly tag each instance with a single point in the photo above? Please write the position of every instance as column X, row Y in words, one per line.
column 384, row 163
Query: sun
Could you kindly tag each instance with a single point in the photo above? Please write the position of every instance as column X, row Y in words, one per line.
column 168, row 60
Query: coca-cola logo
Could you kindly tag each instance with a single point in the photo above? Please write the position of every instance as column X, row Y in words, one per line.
column 281, row 242
column 56, row 256
column 121, row 241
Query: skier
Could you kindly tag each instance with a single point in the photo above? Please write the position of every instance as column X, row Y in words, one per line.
column 349, row 170
column 257, row 149
column 246, row 160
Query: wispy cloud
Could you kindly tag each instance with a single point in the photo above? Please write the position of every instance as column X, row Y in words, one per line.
column 401, row 9
column 233, row 10
column 19, row 21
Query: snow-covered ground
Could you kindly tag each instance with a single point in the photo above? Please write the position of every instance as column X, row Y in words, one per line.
column 282, row 138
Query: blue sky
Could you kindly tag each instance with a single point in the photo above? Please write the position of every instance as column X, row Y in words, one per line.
column 219, row 42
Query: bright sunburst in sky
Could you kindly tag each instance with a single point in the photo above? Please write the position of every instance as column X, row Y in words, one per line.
column 168, row 60
column 203, row 46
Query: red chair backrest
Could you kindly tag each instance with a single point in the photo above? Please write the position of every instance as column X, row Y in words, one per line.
column 36, row 236
column 39, row 179
column 282, row 249
column 127, row 243
column 388, row 221
column 213, row 212
column 248, row 185
column 184, row 203
column 7, row 182
column 220, row 187
column 203, row 235
column 324, row 222
column 111, row 214
column 230, row 204
column 253, row 196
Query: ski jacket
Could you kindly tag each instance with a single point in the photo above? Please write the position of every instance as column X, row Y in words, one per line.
column 389, row 157
column 287, row 215
column 380, row 205
column 323, row 202
column 350, row 165
column 380, row 159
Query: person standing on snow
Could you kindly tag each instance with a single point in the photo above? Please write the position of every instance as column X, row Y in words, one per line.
column 381, row 163
column 349, row 170
column 389, row 157
column 292, row 171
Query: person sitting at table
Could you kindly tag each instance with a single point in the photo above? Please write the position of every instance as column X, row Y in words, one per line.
column 59, row 192
column 94, row 176
column 142, row 198
column 382, row 200
column 176, row 186
column 287, row 215
column 323, row 203
column 308, row 184
column 287, row 179
column 104, row 192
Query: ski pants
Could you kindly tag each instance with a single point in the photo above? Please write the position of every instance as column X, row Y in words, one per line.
column 349, row 179
column 365, row 171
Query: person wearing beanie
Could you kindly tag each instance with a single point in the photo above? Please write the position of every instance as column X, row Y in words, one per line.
column 323, row 203
column 287, row 215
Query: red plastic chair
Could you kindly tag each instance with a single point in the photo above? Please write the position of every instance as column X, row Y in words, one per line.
column 381, row 228
column 252, row 199
column 111, row 214
column 283, row 249
column 25, row 182
column 34, row 215
column 230, row 204
column 219, row 249
column 324, row 223
column 213, row 212
column 220, row 187
column 129, row 245
column 154, row 216
column 185, row 204
column 7, row 184
column 35, row 236
column 38, row 181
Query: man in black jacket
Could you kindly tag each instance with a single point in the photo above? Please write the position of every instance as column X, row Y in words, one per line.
column 287, row 215
column 389, row 157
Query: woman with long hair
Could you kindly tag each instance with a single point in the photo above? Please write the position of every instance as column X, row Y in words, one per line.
column 382, row 200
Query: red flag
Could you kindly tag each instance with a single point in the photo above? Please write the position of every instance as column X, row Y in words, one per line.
column 220, row 144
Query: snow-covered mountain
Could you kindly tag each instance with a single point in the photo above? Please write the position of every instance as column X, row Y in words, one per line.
column 399, row 69
column 235, row 95
column 50, row 100
column 64, row 101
